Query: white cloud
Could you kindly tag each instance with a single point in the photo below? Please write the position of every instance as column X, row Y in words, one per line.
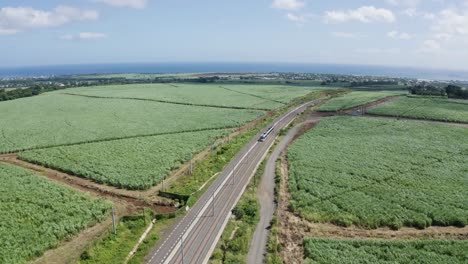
column 407, row 3
column 296, row 18
column 379, row 51
column 18, row 19
column 443, row 36
column 365, row 14
column 137, row 4
column 452, row 22
column 399, row 35
column 343, row 35
column 430, row 46
column 290, row 5
column 411, row 12
column 429, row 16
column 84, row 36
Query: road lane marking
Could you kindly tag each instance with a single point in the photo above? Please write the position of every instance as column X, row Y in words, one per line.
column 200, row 212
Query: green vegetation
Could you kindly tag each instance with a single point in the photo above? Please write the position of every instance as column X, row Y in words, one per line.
column 219, row 157
column 355, row 99
column 16, row 93
column 135, row 163
column 36, row 214
column 222, row 155
column 425, row 108
column 223, row 95
column 115, row 248
column 450, row 91
column 380, row 172
column 324, row 251
column 54, row 119
column 234, row 244
column 273, row 244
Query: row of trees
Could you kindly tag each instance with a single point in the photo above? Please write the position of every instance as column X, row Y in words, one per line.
column 372, row 83
column 458, row 92
column 19, row 93
column 451, row 91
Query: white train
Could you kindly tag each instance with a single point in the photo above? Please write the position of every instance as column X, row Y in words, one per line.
column 264, row 136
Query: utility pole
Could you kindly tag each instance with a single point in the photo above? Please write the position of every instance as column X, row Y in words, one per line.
column 113, row 221
column 255, row 179
column 191, row 164
column 162, row 188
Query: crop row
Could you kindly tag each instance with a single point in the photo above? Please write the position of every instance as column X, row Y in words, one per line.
column 136, row 163
column 36, row 214
column 377, row 172
column 236, row 96
column 354, row 99
column 324, row 251
column 55, row 119
column 425, row 108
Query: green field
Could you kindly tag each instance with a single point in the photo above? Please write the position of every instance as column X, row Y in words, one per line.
column 224, row 95
column 379, row 172
column 355, row 99
column 425, row 108
column 36, row 214
column 136, row 163
column 325, row 251
column 54, row 119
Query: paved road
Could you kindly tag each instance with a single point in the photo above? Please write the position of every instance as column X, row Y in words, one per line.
column 266, row 196
column 194, row 237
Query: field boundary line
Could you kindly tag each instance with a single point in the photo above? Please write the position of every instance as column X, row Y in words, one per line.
column 253, row 95
column 122, row 138
column 168, row 102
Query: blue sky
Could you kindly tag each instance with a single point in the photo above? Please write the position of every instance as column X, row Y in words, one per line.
column 427, row 33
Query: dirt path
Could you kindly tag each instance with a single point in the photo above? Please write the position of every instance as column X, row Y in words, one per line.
column 158, row 204
column 266, row 194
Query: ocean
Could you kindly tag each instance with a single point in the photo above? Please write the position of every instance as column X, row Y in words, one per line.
column 404, row 72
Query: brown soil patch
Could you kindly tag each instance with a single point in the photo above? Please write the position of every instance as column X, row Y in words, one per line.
column 161, row 206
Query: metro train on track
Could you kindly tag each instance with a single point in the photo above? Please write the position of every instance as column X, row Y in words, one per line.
column 264, row 136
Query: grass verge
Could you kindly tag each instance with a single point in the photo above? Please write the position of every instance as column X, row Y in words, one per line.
column 273, row 245
column 115, row 248
column 235, row 241
column 222, row 155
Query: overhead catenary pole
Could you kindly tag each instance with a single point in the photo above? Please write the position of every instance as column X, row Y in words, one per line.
column 191, row 163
